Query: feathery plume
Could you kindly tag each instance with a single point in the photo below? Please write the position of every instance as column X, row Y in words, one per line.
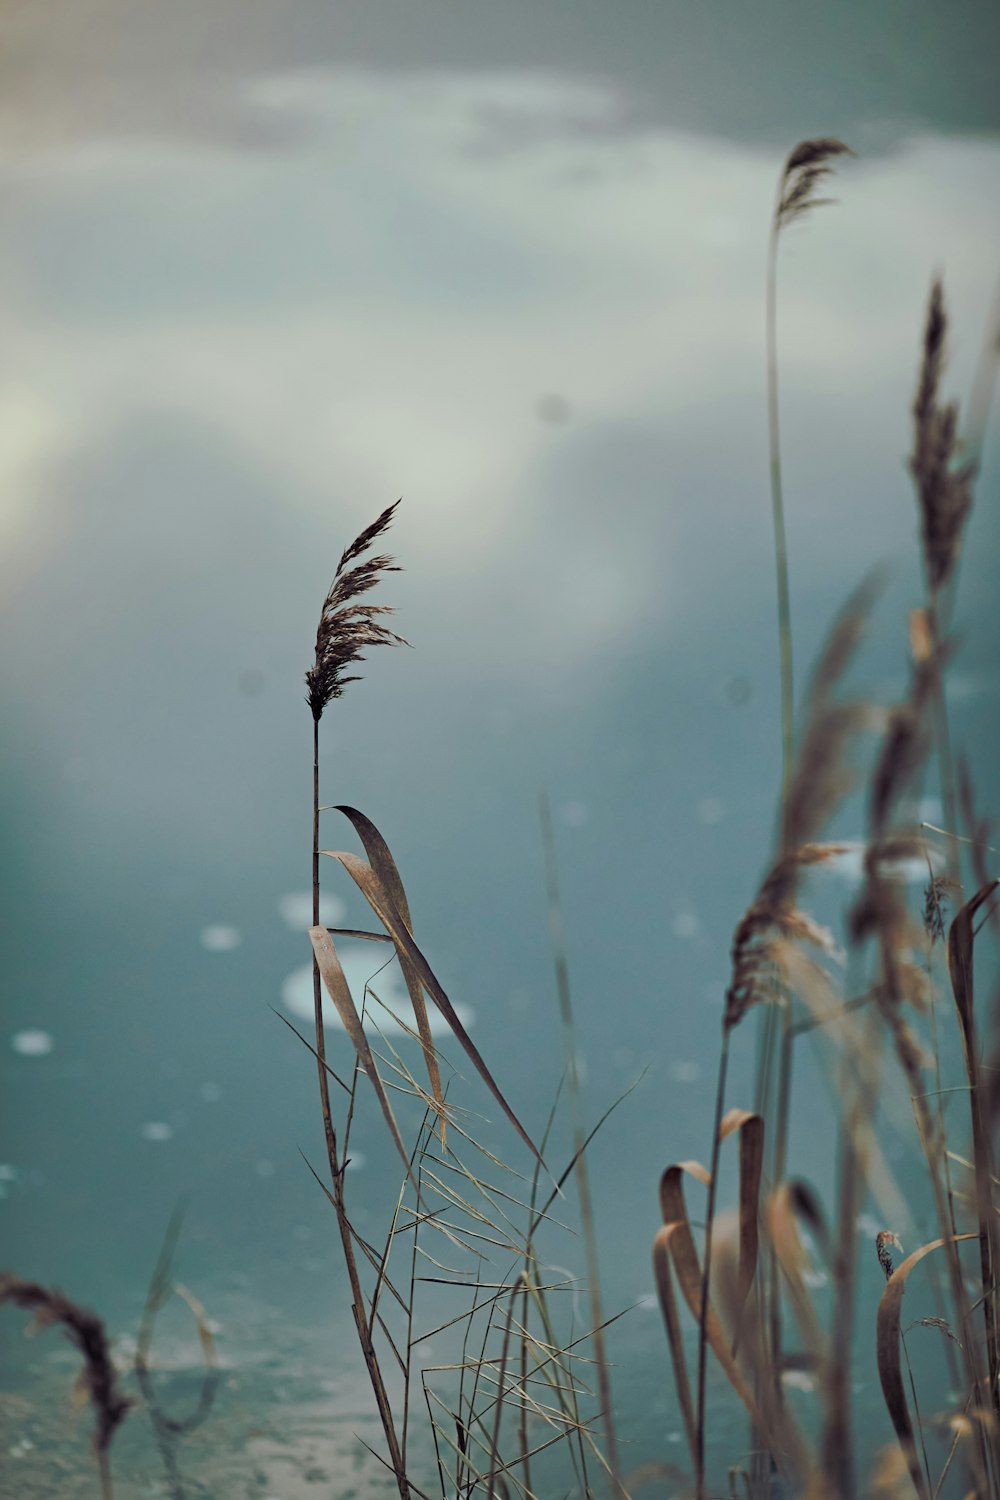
column 84, row 1329
column 936, row 897
column 805, row 169
column 944, row 485
column 883, row 1240
column 819, row 779
column 346, row 628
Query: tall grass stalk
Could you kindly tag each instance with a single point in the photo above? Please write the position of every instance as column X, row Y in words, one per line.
column 558, row 939
column 345, row 629
column 805, row 168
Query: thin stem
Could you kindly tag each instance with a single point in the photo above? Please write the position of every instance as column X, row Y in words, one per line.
column 104, row 1467
column 720, row 1099
column 916, row 1412
column 582, row 1175
column 942, row 734
column 337, row 1176
column 780, row 547
column 787, row 744
column 859, row 1091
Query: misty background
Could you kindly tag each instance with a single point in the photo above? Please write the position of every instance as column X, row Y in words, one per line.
column 267, row 269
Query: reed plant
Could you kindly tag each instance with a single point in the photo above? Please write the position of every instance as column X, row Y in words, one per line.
column 782, row 959
column 487, row 1378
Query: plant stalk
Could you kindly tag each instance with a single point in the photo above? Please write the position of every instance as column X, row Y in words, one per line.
column 780, row 545
column 720, row 1099
column 337, row 1176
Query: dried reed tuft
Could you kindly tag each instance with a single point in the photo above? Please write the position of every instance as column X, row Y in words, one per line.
column 806, row 166
column 347, row 628
column 944, row 484
column 805, row 169
column 86, row 1331
column 937, row 894
column 820, row 778
column 883, row 1240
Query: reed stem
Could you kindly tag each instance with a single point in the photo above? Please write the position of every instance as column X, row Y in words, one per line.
column 720, row 1100
column 337, row 1176
column 780, row 544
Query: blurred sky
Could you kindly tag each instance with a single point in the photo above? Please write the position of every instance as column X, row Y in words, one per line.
column 267, row 268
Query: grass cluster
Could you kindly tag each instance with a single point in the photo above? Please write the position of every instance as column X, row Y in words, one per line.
column 516, row 1399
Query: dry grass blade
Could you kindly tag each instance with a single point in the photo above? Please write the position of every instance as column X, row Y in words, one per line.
column 790, row 1202
column 663, row 1277
column 684, row 1253
column 337, row 988
column 960, row 950
column 382, row 862
column 347, row 628
column 494, row 1449
column 961, row 940
column 751, row 1133
column 888, row 1353
column 84, row 1329
column 378, row 898
column 310, row 1048
column 558, row 940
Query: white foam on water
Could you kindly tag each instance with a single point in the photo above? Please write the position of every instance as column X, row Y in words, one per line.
column 685, row 925
column 156, row 1130
column 32, row 1043
column 684, row 1072
column 360, row 962
column 296, row 910
column 911, row 871
column 220, row 938
column 710, row 810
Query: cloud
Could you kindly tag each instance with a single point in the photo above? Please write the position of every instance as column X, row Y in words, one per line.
column 379, row 311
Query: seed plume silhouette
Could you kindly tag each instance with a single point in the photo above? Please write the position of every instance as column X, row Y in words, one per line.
column 804, row 170
column 346, row 628
column 944, row 484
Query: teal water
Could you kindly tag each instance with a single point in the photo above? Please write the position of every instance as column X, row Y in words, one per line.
column 511, row 267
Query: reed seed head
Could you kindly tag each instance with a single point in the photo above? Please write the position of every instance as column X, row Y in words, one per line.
column 883, row 1240
column 936, row 898
column 944, row 484
column 804, row 170
column 346, row 627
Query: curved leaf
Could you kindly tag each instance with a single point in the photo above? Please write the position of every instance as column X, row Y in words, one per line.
column 337, row 988
column 382, row 862
column 751, row 1131
column 960, row 944
column 384, row 908
column 789, row 1202
column 888, row 1353
column 689, row 1276
column 668, row 1306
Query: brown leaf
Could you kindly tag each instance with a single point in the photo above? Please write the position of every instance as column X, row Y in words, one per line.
column 339, row 991
column 888, row 1351
column 382, row 862
column 385, row 909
